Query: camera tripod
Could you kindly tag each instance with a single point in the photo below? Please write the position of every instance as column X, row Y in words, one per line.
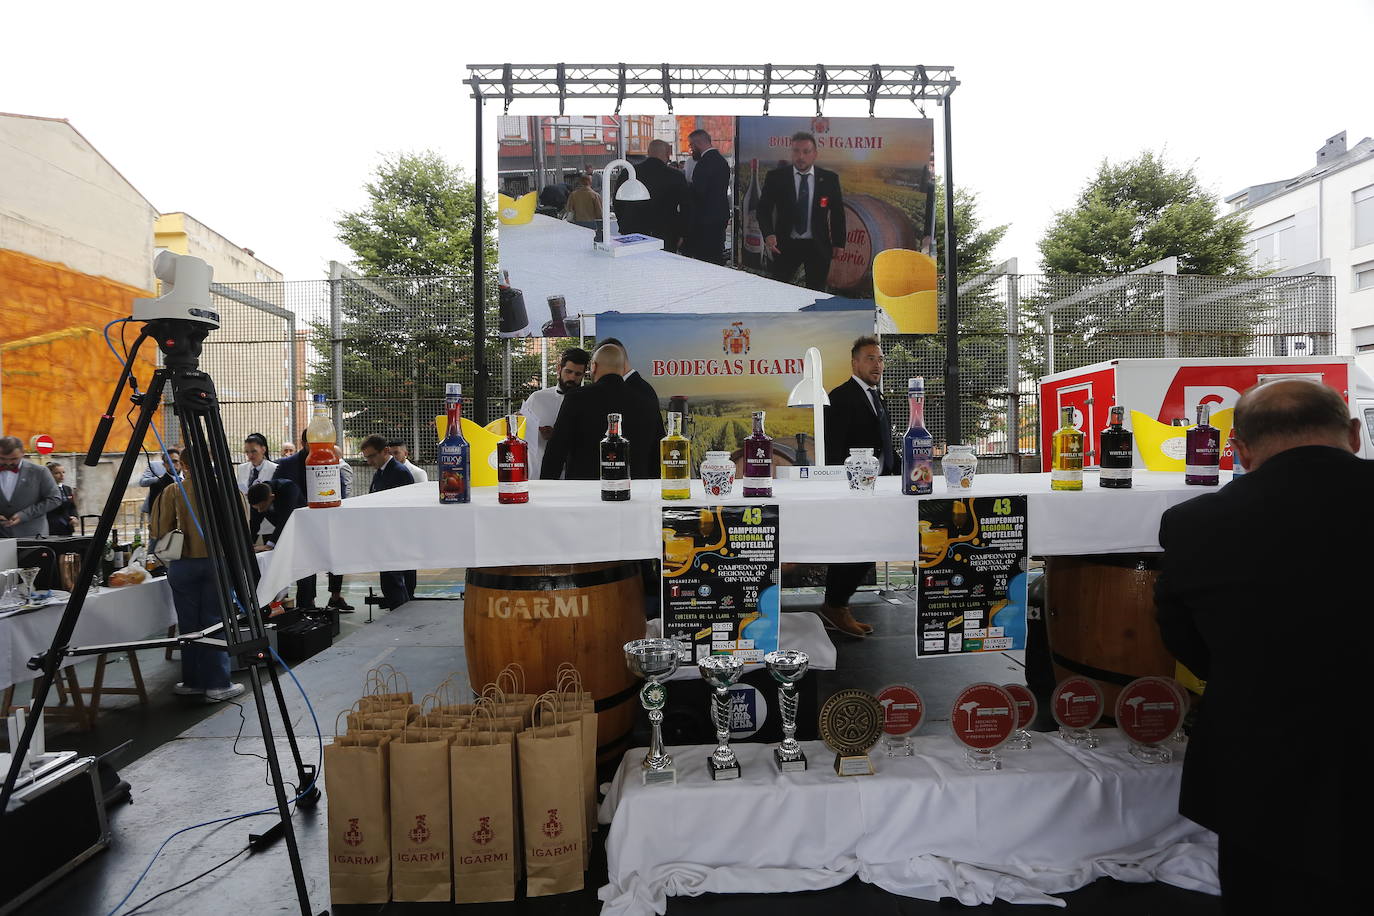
column 225, row 530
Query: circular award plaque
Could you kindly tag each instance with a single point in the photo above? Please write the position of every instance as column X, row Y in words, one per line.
column 1149, row 710
column 1077, row 703
column 1026, row 707
column 902, row 709
column 983, row 717
column 851, row 722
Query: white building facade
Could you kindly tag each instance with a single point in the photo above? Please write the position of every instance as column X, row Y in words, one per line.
column 1322, row 221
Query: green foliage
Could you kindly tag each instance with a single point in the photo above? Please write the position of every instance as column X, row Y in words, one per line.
column 1141, row 211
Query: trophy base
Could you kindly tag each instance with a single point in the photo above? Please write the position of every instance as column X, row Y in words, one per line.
column 1151, row 753
column 1020, row 740
column 1083, row 737
column 789, row 764
column 982, row 760
column 853, row 765
column 666, row 776
column 722, row 771
column 898, row 746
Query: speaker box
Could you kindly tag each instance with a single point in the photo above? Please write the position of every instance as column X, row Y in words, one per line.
column 53, row 825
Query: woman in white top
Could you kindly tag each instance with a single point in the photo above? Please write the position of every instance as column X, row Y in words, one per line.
column 258, row 467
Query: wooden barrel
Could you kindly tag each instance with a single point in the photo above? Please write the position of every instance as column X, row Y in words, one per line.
column 1101, row 620
column 871, row 225
column 542, row 616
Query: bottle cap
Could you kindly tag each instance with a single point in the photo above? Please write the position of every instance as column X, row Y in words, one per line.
column 453, row 390
column 916, row 385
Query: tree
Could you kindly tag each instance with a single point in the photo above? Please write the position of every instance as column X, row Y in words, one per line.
column 408, row 327
column 1139, row 212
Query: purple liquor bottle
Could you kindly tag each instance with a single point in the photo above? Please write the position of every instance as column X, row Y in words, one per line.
column 758, row 461
column 1203, row 451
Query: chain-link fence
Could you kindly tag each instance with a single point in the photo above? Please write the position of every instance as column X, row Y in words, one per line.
column 381, row 349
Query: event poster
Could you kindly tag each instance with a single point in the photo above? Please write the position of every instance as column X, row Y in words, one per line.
column 971, row 575
column 720, row 579
column 727, row 366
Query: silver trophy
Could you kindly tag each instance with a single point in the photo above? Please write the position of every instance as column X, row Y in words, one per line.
column 788, row 666
column 654, row 660
column 721, row 671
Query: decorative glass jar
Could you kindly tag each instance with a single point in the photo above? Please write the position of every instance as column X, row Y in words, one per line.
column 960, row 465
column 861, row 467
column 718, row 474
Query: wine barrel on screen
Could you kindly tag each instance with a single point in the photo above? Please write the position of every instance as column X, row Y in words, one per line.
column 871, row 226
column 542, row 616
column 1101, row 620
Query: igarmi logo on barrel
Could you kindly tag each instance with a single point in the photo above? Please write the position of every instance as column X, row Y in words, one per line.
column 506, row 607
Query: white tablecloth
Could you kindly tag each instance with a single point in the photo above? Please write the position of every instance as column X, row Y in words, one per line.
column 549, row 257
column 114, row 615
column 565, row 521
column 1055, row 818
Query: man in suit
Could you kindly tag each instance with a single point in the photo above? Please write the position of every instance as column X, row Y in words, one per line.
column 398, row 586
column 801, row 216
column 664, row 214
column 272, row 501
column 292, row 468
column 636, row 381
column 27, row 492
column 1253, row 578
column 574, row 449
column 708, row 201
column 856, row 418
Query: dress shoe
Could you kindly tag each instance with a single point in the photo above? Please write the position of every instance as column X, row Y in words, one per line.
column 340, row 605
column 226, row 693
column 182, row 690
column 839, row 618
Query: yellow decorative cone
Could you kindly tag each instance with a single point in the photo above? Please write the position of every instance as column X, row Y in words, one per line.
column 904, row 287
column 515, row 211
column 1163, row 447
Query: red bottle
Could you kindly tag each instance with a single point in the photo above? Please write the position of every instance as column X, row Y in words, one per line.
column 512, row 465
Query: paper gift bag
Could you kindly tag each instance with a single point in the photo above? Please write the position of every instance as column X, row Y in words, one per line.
column 551, row 807
column 582, row 712
column 382, row 719
column 383, row 688
column 421, row 861
column 356, row 783
column 486, row 834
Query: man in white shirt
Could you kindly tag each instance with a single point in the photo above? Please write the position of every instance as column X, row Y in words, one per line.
column 401, row 452
column 801, row 215
column 27, row 492
column 258, row 468
column 541, row 408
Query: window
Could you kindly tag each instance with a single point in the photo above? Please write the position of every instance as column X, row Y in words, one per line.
column 1364, row 276
column 1363, row 205
column 1269, row 244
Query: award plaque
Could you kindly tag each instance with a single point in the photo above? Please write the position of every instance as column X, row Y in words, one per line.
column 903, row 711
column 983, row 718
column 1026, row 708
column 851, row 723
column 788, row 666
column 1077, row 705
column 655, row 660
column 1149, row 711
column 1185, row 700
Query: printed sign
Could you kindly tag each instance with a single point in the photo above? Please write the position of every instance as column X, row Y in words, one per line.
column 971, row 576
column 983, row 717
column 903, row 709
column 1077, row 703
column 748, row 711
column 1148, row 709
column 720, row 579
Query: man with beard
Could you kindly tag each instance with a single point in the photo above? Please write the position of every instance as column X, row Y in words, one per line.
column 541, row 408
column 708, row 199
column 801, row 215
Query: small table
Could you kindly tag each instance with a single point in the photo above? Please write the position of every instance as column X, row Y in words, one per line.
column 1053, row 819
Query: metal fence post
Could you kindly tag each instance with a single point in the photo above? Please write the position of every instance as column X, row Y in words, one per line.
column 1013, row 369
column 336, row 280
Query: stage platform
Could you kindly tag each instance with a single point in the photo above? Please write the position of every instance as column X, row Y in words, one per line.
column 198, row 774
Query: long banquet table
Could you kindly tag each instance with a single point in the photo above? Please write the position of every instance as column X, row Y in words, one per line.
column 1053, row 819
column 565, row 521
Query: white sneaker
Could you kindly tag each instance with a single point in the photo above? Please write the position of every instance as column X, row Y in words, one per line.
column 227, row 693
column 184, row 691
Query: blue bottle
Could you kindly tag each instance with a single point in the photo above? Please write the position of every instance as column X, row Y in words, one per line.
column 918, row 448
column 455, row 471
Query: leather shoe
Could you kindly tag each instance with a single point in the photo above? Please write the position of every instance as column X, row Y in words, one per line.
column 340, row 605
column 840, row 619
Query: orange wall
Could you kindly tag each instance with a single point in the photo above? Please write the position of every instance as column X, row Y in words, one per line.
column 58, row 374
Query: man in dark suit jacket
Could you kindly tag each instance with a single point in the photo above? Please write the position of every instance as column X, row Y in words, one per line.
column 708, row 198
column 801, row 216
column 574, row 449
column 272, row 501
column 1260, row 584
column 664, row 214
column 398, row 587
column 27, row 492
column 636, row 381
column 856, row 418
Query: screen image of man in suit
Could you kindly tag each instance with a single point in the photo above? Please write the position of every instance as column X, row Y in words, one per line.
column 1253, row 575
column 801, row 216
column 398, row 587
column 27, row 492
column 664, row 214
column 708, row 201
column 856, row 418
column 574, row 450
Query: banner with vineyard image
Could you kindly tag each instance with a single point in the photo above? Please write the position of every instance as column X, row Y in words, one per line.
column 728, row 366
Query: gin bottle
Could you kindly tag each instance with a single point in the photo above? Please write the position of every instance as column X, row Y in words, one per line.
column 758, row 461
column 675, row 460
column 615, row 462
column 1066, row 456
column 512, row 465
column 1117, row 453
column 1202, row 451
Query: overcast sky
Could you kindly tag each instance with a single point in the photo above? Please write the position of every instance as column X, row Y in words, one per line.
column 263, row 120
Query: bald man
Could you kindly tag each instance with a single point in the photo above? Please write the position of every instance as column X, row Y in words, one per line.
column 1263, row 587
column 664, row 214
column 574, row 448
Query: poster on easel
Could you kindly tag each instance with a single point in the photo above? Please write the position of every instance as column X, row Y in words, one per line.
column 720, row 579
column 971, row 575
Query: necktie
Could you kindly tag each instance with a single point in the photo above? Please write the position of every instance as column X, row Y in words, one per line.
column 884, row 429
column 803, row 208
column 253, row 476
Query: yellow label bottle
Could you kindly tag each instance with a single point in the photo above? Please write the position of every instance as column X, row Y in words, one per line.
column 1066, row 456
column 674, row 460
